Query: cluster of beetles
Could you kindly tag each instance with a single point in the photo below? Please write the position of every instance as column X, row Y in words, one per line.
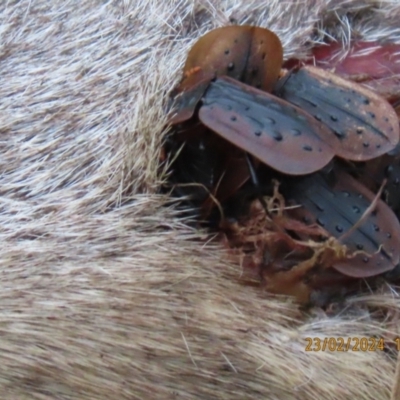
column 299, row 168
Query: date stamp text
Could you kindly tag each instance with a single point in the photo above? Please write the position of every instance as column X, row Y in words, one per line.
column 348, row 344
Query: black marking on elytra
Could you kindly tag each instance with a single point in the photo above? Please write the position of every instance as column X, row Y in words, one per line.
column 277, row 135
column 271, row 122
column 316, row 195
column 328, row 102
column 342, row 110
column 339, row 228
column 339, row 134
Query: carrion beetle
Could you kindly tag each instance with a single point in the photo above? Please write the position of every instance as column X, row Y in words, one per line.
column 318, row 151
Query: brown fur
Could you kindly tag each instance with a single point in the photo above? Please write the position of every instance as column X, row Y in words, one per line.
column 105, row 292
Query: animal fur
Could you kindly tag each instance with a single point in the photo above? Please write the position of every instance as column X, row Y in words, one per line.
column 105, row 291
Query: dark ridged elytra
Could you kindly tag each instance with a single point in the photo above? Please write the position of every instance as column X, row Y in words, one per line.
column 363, row 125
column 253, row 131
column 337, row 208
column 185, row 104
column 247, row 53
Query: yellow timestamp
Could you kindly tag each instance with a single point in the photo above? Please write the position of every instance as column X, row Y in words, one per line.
column 348, row 344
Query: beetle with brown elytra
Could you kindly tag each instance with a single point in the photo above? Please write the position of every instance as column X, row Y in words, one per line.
column 243, row 125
